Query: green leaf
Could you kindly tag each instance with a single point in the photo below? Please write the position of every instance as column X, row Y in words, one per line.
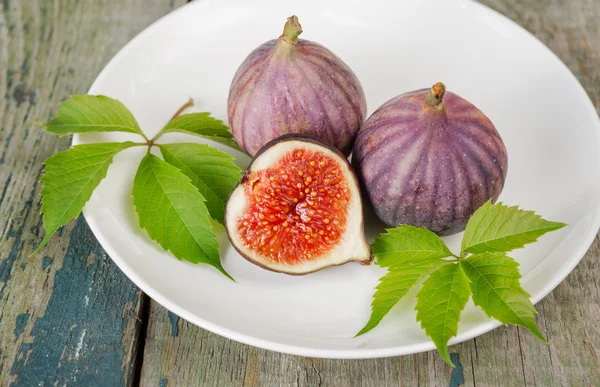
column 173, row 212
column 407, row 243
column 439, row 303
column 93, row 113
column 502, row 228
column 210, row 170
column 410, row 254
column 496, row 289
column 69, row 180
column 203, row 125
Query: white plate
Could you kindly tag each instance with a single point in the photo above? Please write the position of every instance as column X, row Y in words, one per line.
column 550, row 128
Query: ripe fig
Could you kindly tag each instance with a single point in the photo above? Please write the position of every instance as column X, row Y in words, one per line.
column 291, row 85
column 297, row 209
column 429, row 158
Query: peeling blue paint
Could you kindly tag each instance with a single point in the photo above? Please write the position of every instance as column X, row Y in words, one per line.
column 77, row 341
column 21, row 323
column 163, row 382
column 46, row 261
column 174, row 319
column 23, row 93
column 456, row 378
column 21, row 357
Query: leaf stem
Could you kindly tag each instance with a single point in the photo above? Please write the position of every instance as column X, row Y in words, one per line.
column 186, row 105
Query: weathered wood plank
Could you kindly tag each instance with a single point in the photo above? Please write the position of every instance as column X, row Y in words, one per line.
column 178, row 353
column 67, row 314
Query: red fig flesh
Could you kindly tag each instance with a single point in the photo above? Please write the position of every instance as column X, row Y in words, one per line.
column 291, row 85
column 429, row 158
column 297, row 209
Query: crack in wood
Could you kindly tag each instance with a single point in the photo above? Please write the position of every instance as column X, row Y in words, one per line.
column 140, row 342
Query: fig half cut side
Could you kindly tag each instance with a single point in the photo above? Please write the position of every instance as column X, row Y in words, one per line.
column 297, row 209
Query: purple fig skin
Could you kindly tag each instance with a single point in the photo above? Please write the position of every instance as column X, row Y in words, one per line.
column 290, row 85
column 429, row 158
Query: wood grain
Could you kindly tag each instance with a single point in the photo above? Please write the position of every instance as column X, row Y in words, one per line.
column 178, row 353
column 68, row 315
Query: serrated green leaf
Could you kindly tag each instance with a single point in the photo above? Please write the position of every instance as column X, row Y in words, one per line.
column 496, row 289
column 410, row 254
column 203, row 125
column 174, row 213
column 439, row 303
column 92, row 113
column 502, row 228
column 69, row 180
column 408, row 243
column 210, row 170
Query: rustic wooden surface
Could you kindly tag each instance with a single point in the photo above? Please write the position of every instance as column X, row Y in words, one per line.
column 68, row 316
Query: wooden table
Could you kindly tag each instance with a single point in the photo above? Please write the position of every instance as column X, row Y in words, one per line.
column 68, row 316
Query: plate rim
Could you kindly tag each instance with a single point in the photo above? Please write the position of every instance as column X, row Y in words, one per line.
column 351, row 353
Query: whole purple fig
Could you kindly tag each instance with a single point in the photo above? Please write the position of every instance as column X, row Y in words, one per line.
column 290, row 85
column 429, row 158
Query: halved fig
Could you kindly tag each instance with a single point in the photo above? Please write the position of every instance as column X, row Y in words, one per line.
column 297, row 209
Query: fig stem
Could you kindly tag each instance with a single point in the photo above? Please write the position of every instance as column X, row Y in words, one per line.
column 291, row 30
column 435, row 98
